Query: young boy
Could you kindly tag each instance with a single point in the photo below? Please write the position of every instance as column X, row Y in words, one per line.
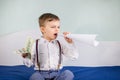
column 50, row 51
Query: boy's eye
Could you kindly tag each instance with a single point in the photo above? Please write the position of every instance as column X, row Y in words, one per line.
column 52, row 27
column 55, row 27
column 58, row 27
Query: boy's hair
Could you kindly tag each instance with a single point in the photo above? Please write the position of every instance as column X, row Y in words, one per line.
column 47, row 17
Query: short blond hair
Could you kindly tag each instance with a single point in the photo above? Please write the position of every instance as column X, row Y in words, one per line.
column 47, row 17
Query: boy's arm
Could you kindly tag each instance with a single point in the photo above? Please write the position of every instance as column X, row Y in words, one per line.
column 70, row 50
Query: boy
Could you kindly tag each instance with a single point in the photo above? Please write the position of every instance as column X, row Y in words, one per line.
column 47, row 58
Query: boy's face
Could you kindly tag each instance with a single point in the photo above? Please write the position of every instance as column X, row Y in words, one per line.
column 51, row 29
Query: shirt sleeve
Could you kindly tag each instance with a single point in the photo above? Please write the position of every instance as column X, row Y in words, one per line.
column 70, row 50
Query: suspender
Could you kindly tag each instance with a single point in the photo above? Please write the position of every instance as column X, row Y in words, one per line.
column 60, row 55
column 38, row 63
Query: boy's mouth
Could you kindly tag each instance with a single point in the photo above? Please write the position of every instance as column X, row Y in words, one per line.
column 55, row 34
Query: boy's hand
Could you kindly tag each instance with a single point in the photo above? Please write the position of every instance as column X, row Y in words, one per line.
column 24, row 55
column 66, row 38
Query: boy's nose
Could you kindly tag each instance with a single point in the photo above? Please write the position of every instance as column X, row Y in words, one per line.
column 57, row 29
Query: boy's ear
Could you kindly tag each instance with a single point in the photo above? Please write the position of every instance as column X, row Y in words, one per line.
column 42, row 29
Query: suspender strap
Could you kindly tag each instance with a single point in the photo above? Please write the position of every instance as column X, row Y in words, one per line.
column 38, row 63
column 60, row 55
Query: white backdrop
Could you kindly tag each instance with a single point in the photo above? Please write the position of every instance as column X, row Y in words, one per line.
column 100, row 17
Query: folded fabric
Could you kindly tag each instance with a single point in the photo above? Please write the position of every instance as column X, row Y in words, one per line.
column 84, row 38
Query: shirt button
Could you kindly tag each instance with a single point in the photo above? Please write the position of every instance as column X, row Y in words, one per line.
column 52, row 41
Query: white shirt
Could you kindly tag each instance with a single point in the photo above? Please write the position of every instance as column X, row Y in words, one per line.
column 48, row 54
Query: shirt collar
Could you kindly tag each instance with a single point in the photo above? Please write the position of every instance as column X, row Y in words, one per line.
column 44, row 40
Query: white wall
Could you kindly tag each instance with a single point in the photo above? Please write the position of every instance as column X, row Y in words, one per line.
column 77, row 16
column 105, row 54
